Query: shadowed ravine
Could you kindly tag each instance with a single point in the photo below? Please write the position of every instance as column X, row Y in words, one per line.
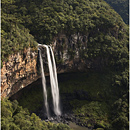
column 76, row 92
column 27, row 100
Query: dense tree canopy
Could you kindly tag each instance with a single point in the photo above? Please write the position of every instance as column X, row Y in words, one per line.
column 14, row 35
column 14, row 117
column 107, row 34
column 45, row 19
column 48, row 18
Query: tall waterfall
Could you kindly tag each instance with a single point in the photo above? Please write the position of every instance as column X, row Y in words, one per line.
column 53, row 79
column 44, row 85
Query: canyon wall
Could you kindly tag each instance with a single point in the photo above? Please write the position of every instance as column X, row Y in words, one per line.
column 69, row 51
column 18, row 72
column 22, row 67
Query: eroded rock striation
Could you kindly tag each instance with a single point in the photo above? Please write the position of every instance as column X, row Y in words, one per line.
column 18, row 72
column 22, row 67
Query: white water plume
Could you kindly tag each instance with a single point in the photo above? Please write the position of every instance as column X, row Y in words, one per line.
column 44, row 85
column 54, row 83
column 53, row 79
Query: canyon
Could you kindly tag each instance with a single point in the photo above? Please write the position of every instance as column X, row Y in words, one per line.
column 22, row 68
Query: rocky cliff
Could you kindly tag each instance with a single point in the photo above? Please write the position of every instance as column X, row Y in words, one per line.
column 21, row 68
column 70, row 53
column 18, row 72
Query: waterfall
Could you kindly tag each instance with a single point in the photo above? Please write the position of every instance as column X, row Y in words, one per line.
column 53, row 79
column 44, row 85
column 56, row 89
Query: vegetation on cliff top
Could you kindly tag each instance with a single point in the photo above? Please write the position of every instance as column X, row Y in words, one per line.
column 107, row 34
column 46, row 18
column 14, row 36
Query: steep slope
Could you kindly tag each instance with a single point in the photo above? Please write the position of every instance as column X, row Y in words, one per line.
column 122, row 7
column 14, row 36
column 92, row 28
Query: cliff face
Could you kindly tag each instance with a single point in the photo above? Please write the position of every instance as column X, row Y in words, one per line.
column 21, row 68
column 68, row 51
column 18, row 72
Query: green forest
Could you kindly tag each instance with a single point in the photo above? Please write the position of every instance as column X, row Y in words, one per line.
column 25, row 23
column 14, row 117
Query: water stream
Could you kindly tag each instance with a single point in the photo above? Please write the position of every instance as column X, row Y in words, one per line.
column 56, row 88
column 53, row 79
column 44, row 85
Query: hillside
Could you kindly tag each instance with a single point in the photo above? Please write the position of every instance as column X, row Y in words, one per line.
column 122, row 7
column 14, row 36
column 96, row 20
column 94, row 30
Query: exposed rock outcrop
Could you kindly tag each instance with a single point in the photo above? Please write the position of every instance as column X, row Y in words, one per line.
column 21, row 68
column 68, row 51
column 18, row 72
